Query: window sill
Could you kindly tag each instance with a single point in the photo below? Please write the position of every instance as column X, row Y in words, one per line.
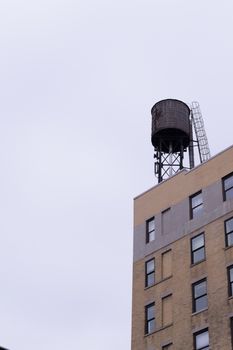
column 198, row 262
column 230, row 298
column 159, row 329
column 156, row 283
column 198, row 312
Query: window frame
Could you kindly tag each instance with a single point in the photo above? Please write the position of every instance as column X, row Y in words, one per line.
column 231, row 328
column 195, row 250
column 194, row 308
column 224, row 191
column 148, row 320
column 230, row 283
column 227, row 233
column 147, row 274
column 167, row 346
column 148, row 233
column 191, row 208
column 195, row 339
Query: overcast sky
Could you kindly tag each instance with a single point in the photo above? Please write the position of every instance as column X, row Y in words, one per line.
column 77, row 81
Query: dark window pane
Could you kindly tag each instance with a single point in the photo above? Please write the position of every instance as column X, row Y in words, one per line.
column 150, row 266
column 231, row 288
column 150, row 318
column 151, row 236
column 151, row 326
column 150, row 312
column 230, row 239
column 229, row 225
column 151, row 225
column 229, row 194
column 202, row 340
column 200, row 289
column 197, row 210
column 201, row 303
column 150, row 280
column 228, row 183
column 231, row 274
column 197, row 242
column 196, row 200
column 199, row 255
column 150, row 230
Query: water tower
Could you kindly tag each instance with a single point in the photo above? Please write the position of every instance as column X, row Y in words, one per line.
column 172, row 135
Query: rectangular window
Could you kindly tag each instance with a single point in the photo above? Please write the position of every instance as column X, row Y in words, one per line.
column 201, row 340
column 167, row 310
column 196, row 204
column 197, row 248
column 199, row 290
column 230, row 280
column 150, row 230
column 150, row 318
column 166, row 221
column 150, row 272
column 229, row 232
column 227, row 183
column 231, row 326
column 167, row 264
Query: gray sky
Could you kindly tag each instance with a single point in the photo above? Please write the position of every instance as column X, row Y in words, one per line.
column 78, row 79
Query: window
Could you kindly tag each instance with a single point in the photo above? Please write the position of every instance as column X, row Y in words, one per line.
column 230, row 280
column 227, row 183
column 150, row 272
column 199, row 295
column 231, row 326
column 201, row 340
column 196, row 204
column 150, row 230
column 197, row 248
column 167, row 264
column 229, row 232
column 150, row 318
column 167, row 310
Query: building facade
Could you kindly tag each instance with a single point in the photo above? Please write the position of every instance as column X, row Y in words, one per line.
column 183, row 260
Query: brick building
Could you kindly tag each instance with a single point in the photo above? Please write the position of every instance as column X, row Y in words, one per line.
column 183, row 260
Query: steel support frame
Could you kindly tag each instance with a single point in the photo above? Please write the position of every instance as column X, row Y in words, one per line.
column 168, row 163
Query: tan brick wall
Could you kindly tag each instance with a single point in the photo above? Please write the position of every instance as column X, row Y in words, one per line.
column 183, row 275
column 181, row 186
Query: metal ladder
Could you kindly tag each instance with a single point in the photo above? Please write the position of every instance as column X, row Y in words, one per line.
column 198, row 123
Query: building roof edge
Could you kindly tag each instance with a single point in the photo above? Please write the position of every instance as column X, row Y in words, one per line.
column 185, row 171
